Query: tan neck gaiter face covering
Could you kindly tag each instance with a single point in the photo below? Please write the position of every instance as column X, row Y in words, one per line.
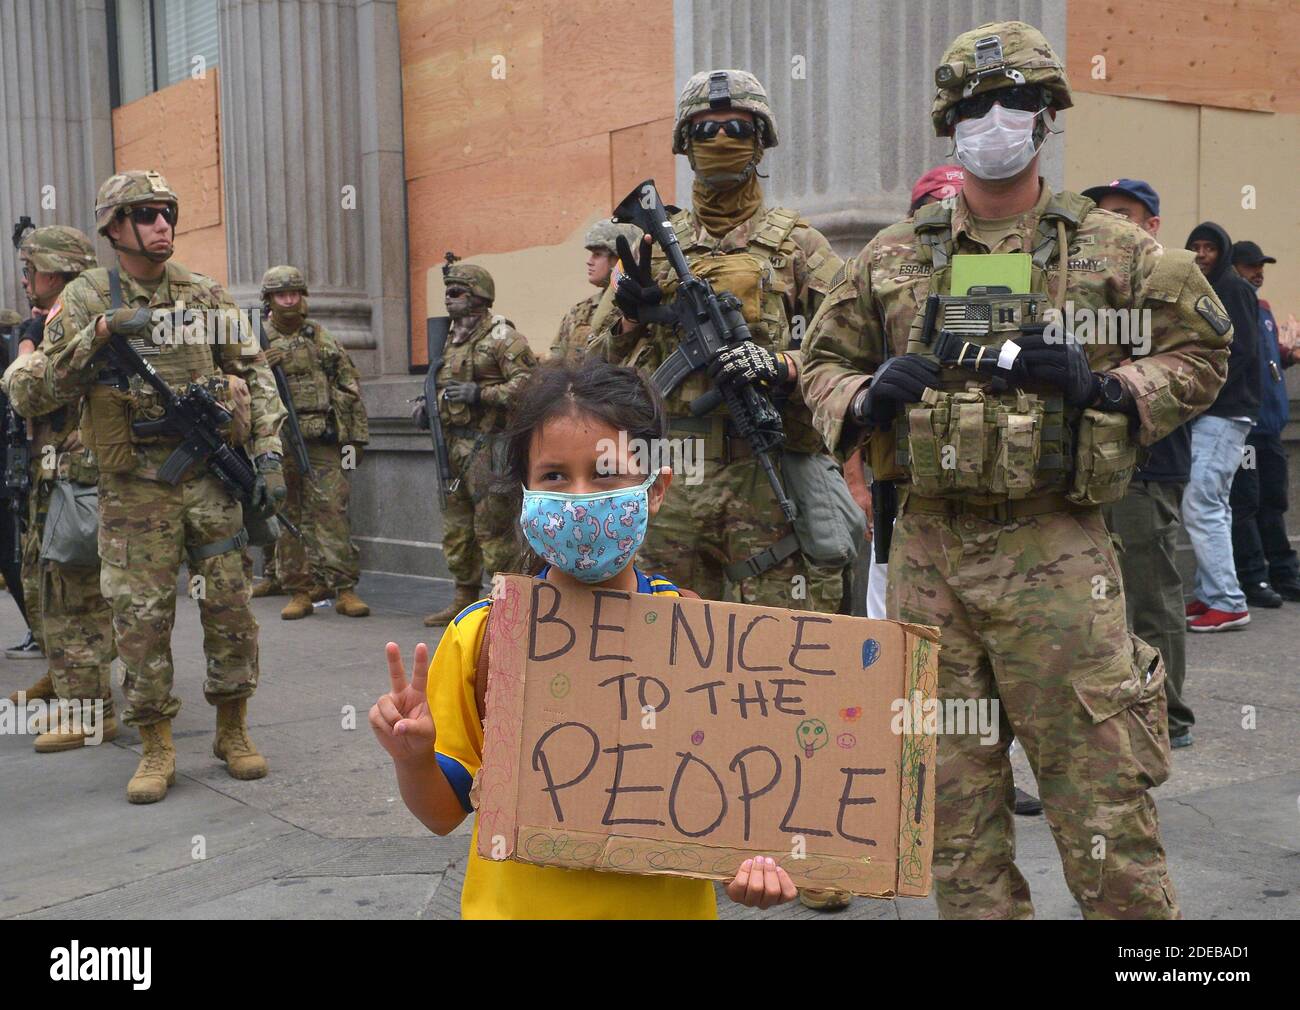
column 726, row 190
column 288, row 320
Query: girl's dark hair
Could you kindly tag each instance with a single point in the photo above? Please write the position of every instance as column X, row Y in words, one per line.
column 621, row 397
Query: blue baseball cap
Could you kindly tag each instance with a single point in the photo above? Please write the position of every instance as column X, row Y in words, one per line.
column 1136, row 188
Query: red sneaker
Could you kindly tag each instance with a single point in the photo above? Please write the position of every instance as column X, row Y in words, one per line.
column 1195, row 609
column 1219, row 620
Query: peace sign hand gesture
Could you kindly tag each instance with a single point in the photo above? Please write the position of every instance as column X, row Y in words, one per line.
column 401, row 718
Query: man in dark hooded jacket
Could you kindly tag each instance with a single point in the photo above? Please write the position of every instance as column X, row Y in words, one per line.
column 1218, row 437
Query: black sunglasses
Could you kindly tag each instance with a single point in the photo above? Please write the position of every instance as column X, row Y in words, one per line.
column 708, row 129
column 457, row 292
column 1022, row 98
column 147, row 215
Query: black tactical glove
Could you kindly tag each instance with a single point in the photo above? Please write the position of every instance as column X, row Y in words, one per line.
column 1058, row 362
column 898, row 381
column 462, row 392
column 746, row 363
column 268, row 487
column 636, row 289
column 420, row 414
column 128, row 323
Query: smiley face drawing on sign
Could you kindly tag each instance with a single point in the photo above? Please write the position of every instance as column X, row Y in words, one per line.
column 812, row 736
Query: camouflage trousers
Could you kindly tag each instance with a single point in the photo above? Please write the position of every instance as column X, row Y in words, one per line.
column 146, row 529
column 325, row 557
column 68, row 614
column 731, row 515
column 479, row 521
column 1031, row 614
column 79, row 633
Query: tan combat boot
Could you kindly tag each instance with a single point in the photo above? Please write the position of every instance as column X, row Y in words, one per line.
column 69, row 734
column 349, row 604
column 267, row 587
column 157, row 768
column 232, row 743
column 297, row 608
column 465, row 595
column 42, row 690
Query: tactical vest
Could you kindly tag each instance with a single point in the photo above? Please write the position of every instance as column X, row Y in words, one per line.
column 186, row 353
column 305, row 374
column 473, row 361
column 761, row 276
column 964, row 440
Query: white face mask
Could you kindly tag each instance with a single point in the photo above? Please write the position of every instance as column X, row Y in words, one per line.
column 998, row 144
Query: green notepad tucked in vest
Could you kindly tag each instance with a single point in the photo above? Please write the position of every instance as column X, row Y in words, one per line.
column 1008, row 270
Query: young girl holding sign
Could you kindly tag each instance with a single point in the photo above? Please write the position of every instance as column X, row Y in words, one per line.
column 564, row 428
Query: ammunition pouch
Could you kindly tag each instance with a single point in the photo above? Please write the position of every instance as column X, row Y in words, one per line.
column 972, row 442
column 1104, row 460
column 78, row 466
column 106, row 427
column 740, row 273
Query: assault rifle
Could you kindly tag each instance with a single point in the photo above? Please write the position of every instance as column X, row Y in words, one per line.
column 710, row 323
column 198, row 418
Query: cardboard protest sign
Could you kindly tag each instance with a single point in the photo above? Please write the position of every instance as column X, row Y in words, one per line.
column 653, row 734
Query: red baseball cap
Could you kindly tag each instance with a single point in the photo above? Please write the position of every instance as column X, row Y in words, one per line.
column 941, row 183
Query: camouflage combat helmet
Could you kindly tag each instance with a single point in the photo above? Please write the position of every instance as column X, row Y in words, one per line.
column 283, row 278
column 56, row 249
column 127, row 189
column 1000, row 54
column 478, row 280
column 9, row 319
column 713, row 90
column 603, row 235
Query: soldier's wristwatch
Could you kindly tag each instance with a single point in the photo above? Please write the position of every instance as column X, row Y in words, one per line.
column 1111, row 394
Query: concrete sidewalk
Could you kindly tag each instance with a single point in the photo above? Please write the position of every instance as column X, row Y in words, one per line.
column 327, row 836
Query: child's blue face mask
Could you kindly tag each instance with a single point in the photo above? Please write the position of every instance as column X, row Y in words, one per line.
column 590, row 536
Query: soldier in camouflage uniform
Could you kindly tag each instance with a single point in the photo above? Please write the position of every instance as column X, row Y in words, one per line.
column 590, row 314
column 190, row 330
column 729, row 527
column 485, row 365
column 326, row 392
column 65, row 602
column 1024, row 584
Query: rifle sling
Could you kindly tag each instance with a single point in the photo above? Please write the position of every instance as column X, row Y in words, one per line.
column 764, row 561
column 235, row 543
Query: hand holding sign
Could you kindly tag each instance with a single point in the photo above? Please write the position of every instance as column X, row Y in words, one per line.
column 761, row 883
column 401, row 718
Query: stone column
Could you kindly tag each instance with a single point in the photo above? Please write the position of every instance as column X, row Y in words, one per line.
column 312, row 162
column 55, row 122
column 851, row 85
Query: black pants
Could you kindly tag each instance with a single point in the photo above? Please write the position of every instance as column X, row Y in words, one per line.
column 1147, row 521
column 11, row 570
column 1260, row 546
